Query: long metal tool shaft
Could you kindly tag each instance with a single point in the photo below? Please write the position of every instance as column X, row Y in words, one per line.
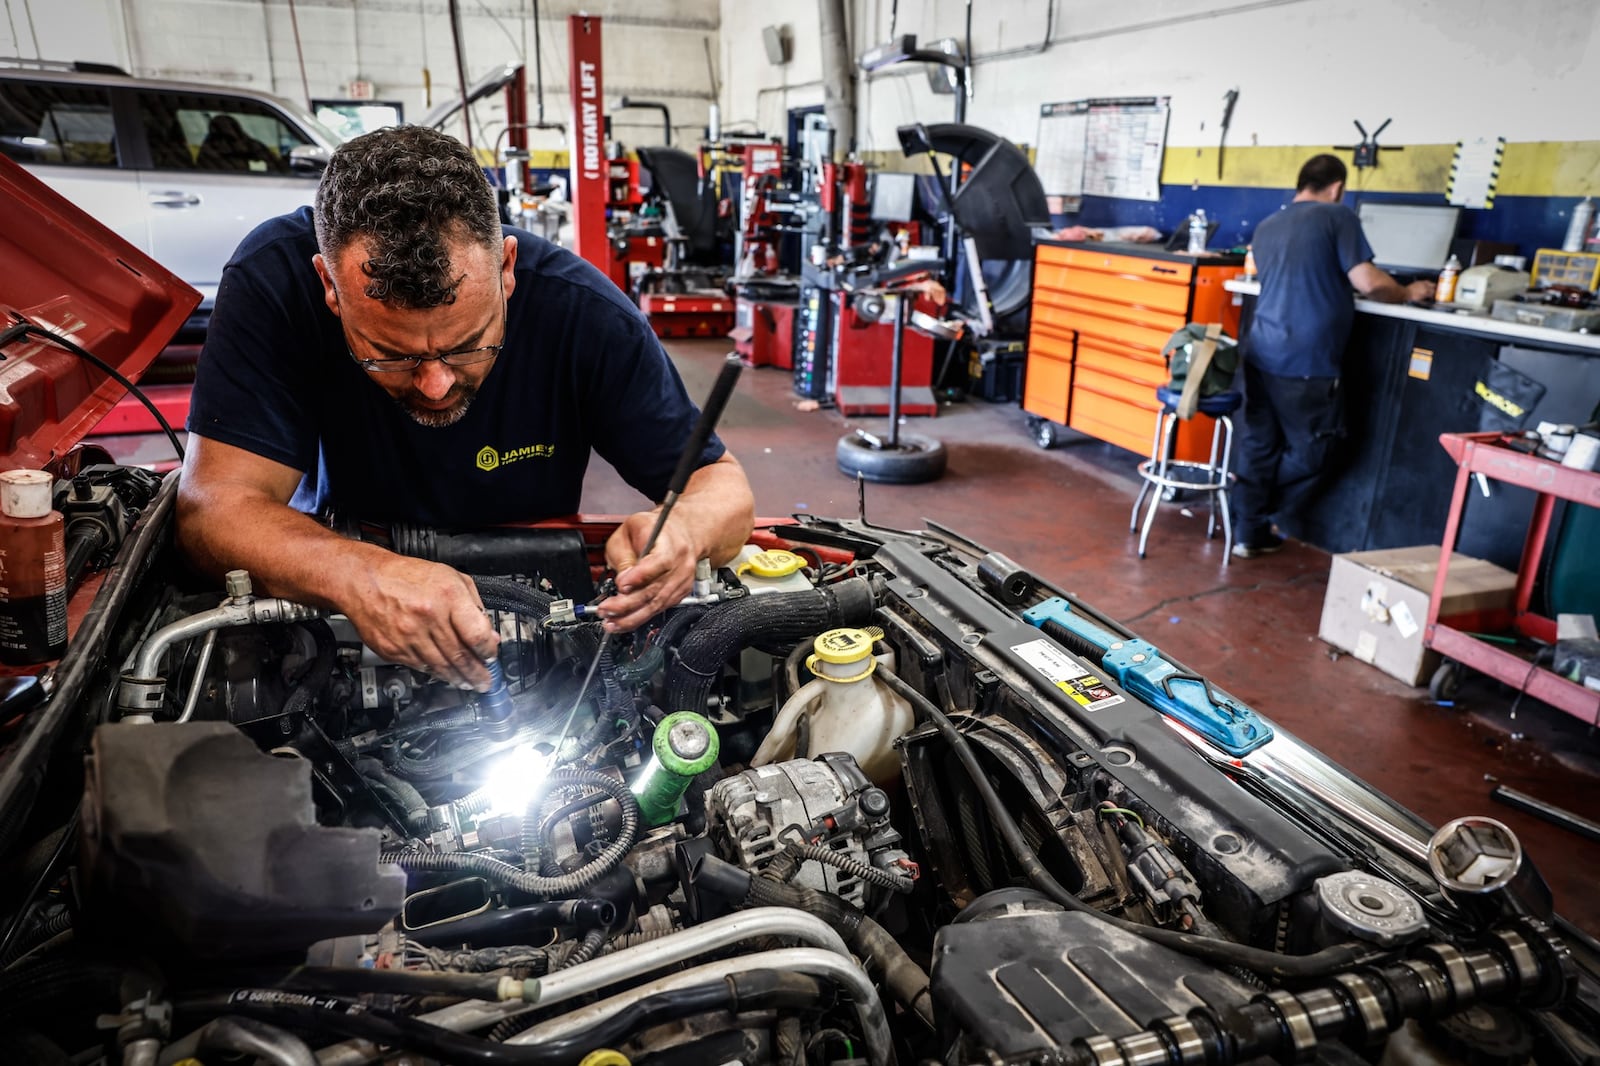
column 688, row 462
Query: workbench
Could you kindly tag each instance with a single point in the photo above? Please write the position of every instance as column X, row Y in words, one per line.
column 1411, row 374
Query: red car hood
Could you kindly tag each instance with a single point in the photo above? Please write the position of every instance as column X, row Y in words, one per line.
column 62, row 270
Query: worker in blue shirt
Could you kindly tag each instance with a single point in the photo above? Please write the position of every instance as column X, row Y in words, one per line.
column 1310, row 255
column 399, row 356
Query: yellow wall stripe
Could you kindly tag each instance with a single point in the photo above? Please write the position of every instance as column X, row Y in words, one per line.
column 1531, row 168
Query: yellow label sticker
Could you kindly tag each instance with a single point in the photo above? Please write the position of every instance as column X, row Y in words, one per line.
column 1421, row 364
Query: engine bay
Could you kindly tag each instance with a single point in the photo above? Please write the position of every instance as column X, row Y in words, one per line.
column 867, row 795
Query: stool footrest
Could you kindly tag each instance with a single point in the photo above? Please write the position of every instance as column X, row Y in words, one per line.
column 1147, row 470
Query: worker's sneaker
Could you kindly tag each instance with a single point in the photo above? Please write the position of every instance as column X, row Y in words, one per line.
column 1250, row 549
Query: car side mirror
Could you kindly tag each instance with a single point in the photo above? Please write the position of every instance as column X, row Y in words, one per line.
column 308, row 159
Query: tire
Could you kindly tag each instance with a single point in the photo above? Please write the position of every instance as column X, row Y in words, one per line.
column 916, row 460
column 1045, row 434
column 1445, row 684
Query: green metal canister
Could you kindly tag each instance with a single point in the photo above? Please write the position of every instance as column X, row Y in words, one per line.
column 685, row 746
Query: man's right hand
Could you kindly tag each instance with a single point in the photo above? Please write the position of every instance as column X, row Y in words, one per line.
column 426, row 616
column 1418, row 291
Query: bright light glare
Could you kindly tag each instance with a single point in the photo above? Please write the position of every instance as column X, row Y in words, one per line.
column 514, row 778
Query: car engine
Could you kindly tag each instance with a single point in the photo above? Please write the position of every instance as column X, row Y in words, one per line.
column 865, row 796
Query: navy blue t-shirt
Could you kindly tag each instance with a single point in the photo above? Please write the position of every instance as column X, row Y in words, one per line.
column 1304, row 255
column 581, row 370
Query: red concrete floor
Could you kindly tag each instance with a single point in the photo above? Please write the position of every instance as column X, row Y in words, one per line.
column 1251, row 627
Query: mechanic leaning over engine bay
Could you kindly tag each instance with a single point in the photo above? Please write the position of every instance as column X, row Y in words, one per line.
column 400, row 356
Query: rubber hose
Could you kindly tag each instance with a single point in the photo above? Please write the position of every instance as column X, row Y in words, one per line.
column 1329, row 960
column 404, row 792
column 506, row 594
column 642, row 669
column 40, row 933
column 680, row 619
column 516, row 926
column 316, row 678
column 577, row 777
column 360, row 981
column 779, row 618
column 587, row 948
column 755, row 990
column 25, row 993
column 861, row 871
column 533, row 884
column 906, row 981
column 590, row 946
column 614, row 697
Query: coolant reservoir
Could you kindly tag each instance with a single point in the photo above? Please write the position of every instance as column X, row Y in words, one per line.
column 849, row 709
column 769, row 570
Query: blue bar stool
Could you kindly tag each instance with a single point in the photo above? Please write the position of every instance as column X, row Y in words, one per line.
column 1162, row 473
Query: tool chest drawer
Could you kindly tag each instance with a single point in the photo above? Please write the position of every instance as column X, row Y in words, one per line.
column 1119, row 303
column 1047, row 384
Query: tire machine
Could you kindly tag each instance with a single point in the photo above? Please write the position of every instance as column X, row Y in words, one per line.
column 844, row 347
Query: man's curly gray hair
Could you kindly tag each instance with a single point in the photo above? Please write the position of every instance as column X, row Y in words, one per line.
column 403, row 192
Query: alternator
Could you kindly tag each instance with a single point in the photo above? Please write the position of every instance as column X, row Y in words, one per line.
column 826, row 800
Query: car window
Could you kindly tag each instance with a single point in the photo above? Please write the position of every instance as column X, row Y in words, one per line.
column 68, row 125
column 216, row 134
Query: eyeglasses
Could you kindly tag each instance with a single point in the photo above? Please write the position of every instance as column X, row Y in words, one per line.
column 407, row 363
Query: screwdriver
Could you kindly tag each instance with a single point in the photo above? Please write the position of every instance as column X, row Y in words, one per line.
column 688, row 462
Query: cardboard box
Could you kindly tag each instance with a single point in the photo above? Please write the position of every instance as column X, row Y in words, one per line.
column 1377, row 604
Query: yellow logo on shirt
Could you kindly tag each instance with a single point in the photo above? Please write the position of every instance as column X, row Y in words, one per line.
column 490, row 459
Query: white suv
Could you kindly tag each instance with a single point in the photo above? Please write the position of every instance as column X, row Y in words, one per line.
column 182, row 171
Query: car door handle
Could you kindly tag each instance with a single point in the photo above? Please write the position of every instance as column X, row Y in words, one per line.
column 174, row 198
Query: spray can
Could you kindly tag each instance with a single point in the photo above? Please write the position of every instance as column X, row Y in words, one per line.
column 685, row 746
column 33, row 570
column 1250, row 261
column 1578, row 228
column 1198, row 231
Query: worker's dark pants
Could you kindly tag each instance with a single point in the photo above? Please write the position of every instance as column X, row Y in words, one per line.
column 1290, row 425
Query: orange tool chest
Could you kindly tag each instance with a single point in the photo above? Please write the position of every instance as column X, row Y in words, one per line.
column 1101, row 313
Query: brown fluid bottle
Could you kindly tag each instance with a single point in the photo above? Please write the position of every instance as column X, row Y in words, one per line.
column 33, row 570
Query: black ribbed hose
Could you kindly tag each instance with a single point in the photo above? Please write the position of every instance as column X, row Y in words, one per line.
column 590, row 946
column 535, row 884
column 861, row 871
column 506, row 594
column 40, row 933
column 775, row 620
column 754, row 990
column 906, row 981
column 1330, row 960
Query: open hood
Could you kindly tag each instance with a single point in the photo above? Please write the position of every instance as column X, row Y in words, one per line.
column 62, row 270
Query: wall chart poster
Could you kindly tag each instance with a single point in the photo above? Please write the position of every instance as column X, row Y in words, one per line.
column 1103, row 147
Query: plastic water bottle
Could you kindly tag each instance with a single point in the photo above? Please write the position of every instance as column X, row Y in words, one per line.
column 1445, row 290
column 1197, row 231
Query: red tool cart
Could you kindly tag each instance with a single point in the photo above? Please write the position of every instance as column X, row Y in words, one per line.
column 1487, row 454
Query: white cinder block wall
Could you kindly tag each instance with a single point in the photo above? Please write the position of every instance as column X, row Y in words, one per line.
column 654, row 50
column 1443, row 69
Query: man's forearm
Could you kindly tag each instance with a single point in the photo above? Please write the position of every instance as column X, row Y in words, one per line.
column 288, row 553
column 1387, row 291
column 718, row 509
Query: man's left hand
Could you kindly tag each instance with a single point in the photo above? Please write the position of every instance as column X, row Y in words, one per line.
column 647, row 586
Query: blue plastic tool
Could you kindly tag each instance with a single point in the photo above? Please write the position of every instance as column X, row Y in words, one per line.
column 1139, row 667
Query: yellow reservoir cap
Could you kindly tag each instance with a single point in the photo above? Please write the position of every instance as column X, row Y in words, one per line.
column 605, row 1057
column 841, row 647
column 773, row 563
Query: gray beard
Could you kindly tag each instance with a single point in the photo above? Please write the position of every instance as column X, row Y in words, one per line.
column 439, row 419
